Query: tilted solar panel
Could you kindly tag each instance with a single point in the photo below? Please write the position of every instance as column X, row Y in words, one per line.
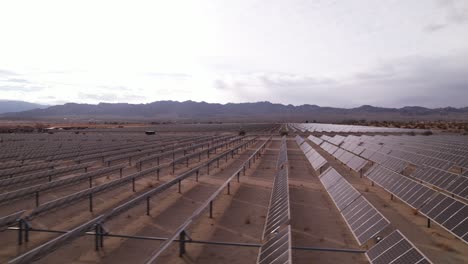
column 395, row 248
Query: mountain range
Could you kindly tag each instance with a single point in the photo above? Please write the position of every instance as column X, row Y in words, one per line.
column 7, row 106
column 202, row 111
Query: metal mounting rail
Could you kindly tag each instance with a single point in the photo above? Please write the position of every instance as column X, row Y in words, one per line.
column 8, row 196
column 48, row 247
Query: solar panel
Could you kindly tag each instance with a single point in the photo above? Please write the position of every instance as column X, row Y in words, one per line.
column 299, row 140
column 409, row 191
column 200, row 209
column 44, row 174
column 449, row 213
column 276, row 247
column 314, row 139
column 27, row 168
column 364, row 220
column 315, row 159
column 7, row 196
column 448, row 181
column 395, row 248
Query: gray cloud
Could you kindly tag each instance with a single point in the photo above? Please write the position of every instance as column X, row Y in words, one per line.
column 20, row 88
column 425, row 81
column 5, row 73
column 17, row 80
column 434, row 27
column 456, row 10
column 110, row 97
column 176, row 76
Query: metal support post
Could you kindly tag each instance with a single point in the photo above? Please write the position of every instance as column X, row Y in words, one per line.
column 148, row 205
column 181, row 243
column 90, row 202
column 37, row 198
column 211, row 209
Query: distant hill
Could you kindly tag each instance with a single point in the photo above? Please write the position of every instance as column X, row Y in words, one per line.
column 8, row 106
column 259, row 111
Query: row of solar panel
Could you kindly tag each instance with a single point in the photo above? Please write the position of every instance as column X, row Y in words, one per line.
column 276, row 247
column 414, row 156
column 44, row 174
column 283, row 155
column 7, row 196
column 396, row 248
column 419, row 153
column 446, row 211
column 362, row 218
column 352, row 160
column 315, row 127
column 451, row 182
column 46, row 248
column 451, row 148
column 314, row 158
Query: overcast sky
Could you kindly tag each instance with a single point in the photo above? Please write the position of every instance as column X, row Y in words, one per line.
column 331, row 53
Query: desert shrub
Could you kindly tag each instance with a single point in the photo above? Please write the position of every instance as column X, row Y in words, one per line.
column 427, row 133
column 445, row 247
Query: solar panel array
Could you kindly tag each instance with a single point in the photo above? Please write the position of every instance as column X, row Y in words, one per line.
column 449, row 213
column 135, row 201
column 314, row 158
column 361, row 217
column 74, row 197
column 316, row 140
column 44, row 174
column 451, row 182
column 203, row 207
column 316, row 127
column 7, row 196
column 27, row 168
column 396, row 248
column 299, row 140
column 276, row 246
column 51, row 245
column 444, row 210
column 443, row 152
column 331, row 145
column 406, row 189
column 396, row 152
column 277, row 250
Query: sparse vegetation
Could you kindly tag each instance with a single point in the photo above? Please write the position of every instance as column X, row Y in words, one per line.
column 445, row 247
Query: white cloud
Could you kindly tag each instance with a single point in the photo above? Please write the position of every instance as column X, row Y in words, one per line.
column 287, row 51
